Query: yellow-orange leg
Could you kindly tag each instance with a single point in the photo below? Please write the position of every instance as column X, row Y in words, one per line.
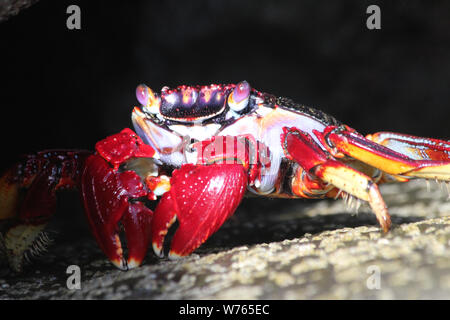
column 417, row 148
column 395, row 154
column 300, row 147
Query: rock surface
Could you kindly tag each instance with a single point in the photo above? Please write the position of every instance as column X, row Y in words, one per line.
column 273, row 250
column 10, row 8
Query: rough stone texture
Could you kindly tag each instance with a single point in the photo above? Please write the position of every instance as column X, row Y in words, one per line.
column 301, row 250
column 10, row 8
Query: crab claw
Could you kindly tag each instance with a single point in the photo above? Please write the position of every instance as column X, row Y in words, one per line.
column 201, row 198
column 112, row 189
column 108, row 200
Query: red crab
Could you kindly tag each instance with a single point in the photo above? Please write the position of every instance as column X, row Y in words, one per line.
column 200, row 149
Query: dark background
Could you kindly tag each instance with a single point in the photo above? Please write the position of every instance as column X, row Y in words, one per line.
column 70, row 88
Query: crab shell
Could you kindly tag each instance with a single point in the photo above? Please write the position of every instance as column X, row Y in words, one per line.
column 172, row 121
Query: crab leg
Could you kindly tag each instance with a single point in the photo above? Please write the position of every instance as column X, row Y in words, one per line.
column 417, row 148
column 300, row 147
column 395, row 161
column 28, row 199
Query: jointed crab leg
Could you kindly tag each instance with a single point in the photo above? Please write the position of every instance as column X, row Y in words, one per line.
column 347, row 141
column 28, row 199
column 299, row 146
column 414, row 147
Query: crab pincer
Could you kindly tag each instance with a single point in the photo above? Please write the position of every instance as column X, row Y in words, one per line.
column 114, row 199
column 201, row 198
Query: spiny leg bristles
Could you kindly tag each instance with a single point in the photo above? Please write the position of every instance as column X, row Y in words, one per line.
column 447, row 185
column 352, row 202
column 443, row 186
column 38, row 247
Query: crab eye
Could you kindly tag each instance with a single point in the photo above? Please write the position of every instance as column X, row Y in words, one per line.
column 238, row 99
column 147, row 98
column 142, row 94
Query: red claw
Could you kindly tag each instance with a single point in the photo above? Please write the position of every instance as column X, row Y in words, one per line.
column 106, row 197
column 120, row 147
column 112, row 197
column 201, row 198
